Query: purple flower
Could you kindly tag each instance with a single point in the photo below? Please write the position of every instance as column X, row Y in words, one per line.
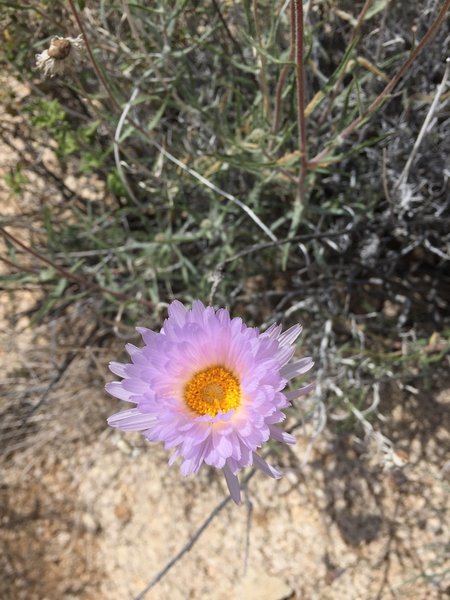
column 210, row 388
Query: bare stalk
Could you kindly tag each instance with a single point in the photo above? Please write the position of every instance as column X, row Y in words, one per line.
column 228, row 32
column 439, row 92
column 388, row 88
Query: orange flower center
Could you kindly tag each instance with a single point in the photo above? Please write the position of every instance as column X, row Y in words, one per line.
column 212, row 390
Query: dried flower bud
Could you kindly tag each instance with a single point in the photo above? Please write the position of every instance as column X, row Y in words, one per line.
column 63, row 54
column 59, row 48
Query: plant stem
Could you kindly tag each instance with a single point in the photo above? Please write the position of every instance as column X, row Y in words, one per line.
column 82, row 281
column 423, row 130
column 92, row 58
column 228, row 32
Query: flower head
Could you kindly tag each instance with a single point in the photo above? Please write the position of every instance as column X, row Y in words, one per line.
column 62, row 54
column 210, row 388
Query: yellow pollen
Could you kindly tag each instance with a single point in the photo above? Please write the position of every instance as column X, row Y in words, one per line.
column 212, row 390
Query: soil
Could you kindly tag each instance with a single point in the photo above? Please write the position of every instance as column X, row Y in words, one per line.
column 92, row 513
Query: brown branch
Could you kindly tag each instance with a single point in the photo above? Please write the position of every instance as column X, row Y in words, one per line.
column 19, row 268
column 82, row 281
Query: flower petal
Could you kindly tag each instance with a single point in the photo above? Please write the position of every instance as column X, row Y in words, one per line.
column 281, row 436
column 177, row 312
column 261, row 464
column 131, row 420
column 148, row 335
column 290, row 335
column 116, row 389
column 118, row 368
column 292, row 395
column 233, row 484
column 297, row 368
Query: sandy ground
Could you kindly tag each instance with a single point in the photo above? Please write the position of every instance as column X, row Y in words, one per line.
column 91, row 513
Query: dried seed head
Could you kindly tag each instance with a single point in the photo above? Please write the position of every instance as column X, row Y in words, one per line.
column 59, row 48
column 63, row 54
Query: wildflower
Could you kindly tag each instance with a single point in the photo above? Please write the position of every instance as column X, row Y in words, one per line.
column 62, row 54
column 210, row 388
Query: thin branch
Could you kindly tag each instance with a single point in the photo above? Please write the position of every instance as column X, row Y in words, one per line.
column 228, row 32
column 19, row 268
column 117, row 134
column 388, row 88
column 217, row 274
column 198, row 532
column 133, row 28
column 94, row 63
column 62, row 369
column 295, row 238
column 83, row 282
column 405, row 173
column 385, row 178
column 195, row 536
column 248, row 529
column 42, row 13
